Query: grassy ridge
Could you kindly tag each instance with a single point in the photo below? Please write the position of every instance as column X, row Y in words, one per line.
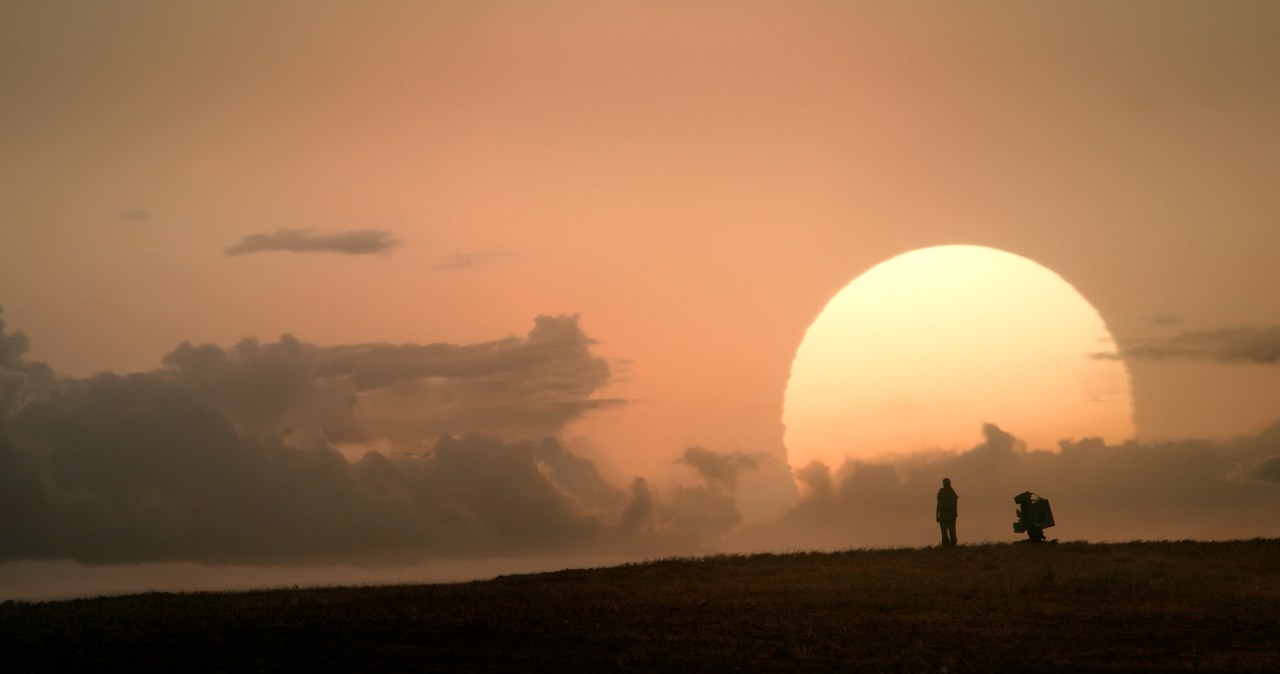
column 1067, row 607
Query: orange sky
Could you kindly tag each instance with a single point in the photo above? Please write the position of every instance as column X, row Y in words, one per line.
column 696, row 180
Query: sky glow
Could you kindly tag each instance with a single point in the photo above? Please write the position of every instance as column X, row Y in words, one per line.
column 413, row 282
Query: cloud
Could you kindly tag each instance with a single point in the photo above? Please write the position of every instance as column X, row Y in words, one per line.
column 468, row 260
column 231, row 455
column 13, row 347
column 19, row 379
column 700, row 512
column 124, row 471
column 1230, row 345
column 1268, row 470
column 361, row 242
column 288, row 452
column 1168, row 490
column 402, row 394
column 512, row 388
column 719, row 470
column 135, row 214
column 708, row 511
column 815, row 477
column 638, row 515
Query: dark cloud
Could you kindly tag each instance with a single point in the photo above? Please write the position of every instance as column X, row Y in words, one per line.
column 123, row 470
column 580, row 478
column 231, row 455
column 1165, row 320
column 639, row 516
column 362, row 242
column 1268, row 470
column 705, row 513
column 252, row 382
column 13, row 346
column 19, row 378
column 1186, row 489
column 1230, row 345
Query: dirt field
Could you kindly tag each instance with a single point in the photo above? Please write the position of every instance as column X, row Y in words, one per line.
column 1067, row 607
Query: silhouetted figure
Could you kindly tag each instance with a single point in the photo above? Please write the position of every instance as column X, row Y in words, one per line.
column 1034, row 515
column 946, row 512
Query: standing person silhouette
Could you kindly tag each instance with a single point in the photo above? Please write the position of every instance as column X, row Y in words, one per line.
column 945, row 514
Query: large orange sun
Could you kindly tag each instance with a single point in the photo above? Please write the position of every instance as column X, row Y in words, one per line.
column 923, row 349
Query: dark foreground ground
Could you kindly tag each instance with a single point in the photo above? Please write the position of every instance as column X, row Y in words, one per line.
column 1065, row 607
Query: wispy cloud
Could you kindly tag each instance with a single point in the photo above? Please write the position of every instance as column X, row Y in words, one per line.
column 468, row 260
column 361, row 242
column 1228, row 345
column 135, row 214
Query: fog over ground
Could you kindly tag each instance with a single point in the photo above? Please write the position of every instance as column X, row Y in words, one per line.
column 290, row 453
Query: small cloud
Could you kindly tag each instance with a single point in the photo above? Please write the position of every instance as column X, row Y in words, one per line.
column 361, row 242
column 468, row 260
column 1165, row 320
column 135, row 214
column 1228, row 345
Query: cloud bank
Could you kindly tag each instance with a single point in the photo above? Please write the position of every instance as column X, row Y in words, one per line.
column 294, row 453
column 1171, row 490
column 361, row 242
column 232, row 455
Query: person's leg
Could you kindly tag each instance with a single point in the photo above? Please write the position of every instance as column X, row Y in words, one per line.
column 942, row 526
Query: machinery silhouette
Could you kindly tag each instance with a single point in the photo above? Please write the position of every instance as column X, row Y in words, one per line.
column 1034, row 515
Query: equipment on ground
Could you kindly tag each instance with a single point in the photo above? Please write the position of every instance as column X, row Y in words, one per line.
column 1034, row 515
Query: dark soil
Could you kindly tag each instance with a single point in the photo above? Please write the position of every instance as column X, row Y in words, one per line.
column 1068, row 607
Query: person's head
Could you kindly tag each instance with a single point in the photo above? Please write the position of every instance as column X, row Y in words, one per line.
column 946, row 482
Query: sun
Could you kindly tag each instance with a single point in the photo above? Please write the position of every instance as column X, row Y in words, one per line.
column 923, row 349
